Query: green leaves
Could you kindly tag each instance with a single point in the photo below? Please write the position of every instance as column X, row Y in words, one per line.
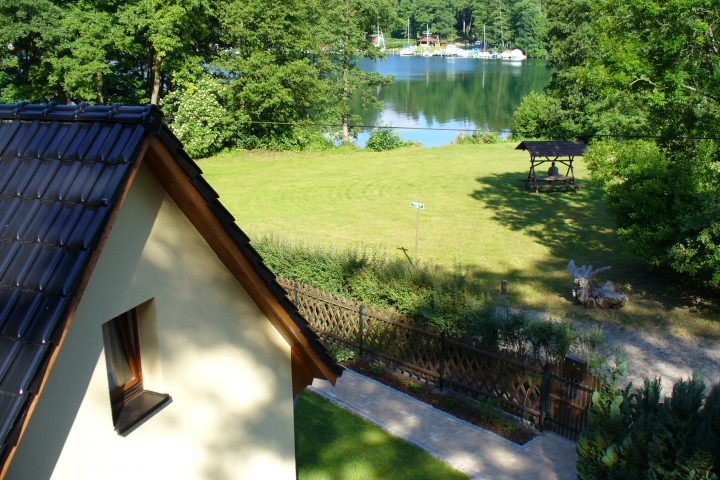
column 642, row 435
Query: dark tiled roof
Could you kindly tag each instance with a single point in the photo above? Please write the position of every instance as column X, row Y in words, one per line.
column 553, row 149
column 62, row 168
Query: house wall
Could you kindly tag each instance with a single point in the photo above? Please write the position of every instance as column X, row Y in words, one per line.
column 203, row 341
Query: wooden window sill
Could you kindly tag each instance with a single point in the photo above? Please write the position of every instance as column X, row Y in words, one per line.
column 138, row 409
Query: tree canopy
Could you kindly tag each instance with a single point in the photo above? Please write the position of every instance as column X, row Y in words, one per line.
column 226, row 72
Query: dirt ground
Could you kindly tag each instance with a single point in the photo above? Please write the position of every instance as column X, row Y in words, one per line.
column 652, row 352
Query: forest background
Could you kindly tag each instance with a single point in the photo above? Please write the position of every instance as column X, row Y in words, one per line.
column 637, row 79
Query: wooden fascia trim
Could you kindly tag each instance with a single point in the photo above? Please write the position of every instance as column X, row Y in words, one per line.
column 177, row 184
column 302, row 375
column 76, row 300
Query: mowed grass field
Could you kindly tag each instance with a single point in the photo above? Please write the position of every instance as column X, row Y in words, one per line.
column 477, row 214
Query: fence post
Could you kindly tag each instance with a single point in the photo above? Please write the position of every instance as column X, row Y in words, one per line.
column 362, row 307
column 295, row 291
column 442, row 360
column 544, row 395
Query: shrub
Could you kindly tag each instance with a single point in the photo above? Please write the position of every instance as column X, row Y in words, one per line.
column 477, row 138
column 541, row 116
column 490, row 410
column 642, row 435
column 341, row 354
column 197, row 115
column 511, row 427
column 451, row 404
column 377, row 369
column 384, row 138
column 415, row 387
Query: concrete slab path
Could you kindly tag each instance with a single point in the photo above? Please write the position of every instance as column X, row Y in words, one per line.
column 479, row 453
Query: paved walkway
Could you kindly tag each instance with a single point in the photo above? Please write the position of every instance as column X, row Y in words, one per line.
column 470, row 449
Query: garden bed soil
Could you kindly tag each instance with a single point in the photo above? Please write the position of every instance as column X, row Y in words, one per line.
column 456, row 405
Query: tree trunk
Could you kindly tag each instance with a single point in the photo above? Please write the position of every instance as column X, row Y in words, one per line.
column 63, row 96
column 153, row 76
column 157, row 62
column 346, row 97
column 99, row 86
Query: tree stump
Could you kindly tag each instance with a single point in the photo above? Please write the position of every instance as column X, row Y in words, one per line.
column 589, row 294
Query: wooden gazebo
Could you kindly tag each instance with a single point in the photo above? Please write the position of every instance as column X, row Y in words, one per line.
column 559, row 152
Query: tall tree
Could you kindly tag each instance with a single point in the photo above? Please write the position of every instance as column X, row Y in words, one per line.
column 343, row 34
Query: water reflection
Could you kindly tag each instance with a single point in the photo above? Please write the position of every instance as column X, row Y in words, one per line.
column 451, row 93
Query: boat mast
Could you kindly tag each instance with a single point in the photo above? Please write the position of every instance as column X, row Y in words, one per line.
column 408, row 33
column 483, row 38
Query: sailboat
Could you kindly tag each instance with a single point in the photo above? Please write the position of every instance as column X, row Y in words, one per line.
column 380, row 39
column 484, row 54
column 408, row 50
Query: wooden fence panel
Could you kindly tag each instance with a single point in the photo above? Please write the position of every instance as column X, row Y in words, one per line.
column 522, row 383
column 403, row 346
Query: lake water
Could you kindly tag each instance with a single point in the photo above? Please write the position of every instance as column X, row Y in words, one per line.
column 450, row 93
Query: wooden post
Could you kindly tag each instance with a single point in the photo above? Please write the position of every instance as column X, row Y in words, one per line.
column 545, row 395
column 442, row 360
column 295, row 291
column 362, row 307
column 503, row 287
column 417, row 229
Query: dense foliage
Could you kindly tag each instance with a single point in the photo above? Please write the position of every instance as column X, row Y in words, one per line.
column 447, row 300
column 646, row 68
column 638, row 435
column 228, row 73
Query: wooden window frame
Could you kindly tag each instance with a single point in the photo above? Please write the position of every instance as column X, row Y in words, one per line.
column 131, row 342
column 130, row 403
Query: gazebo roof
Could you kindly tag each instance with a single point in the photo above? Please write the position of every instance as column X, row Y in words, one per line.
column 553, row 149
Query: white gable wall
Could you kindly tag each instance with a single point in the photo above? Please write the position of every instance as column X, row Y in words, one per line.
column 225, row 366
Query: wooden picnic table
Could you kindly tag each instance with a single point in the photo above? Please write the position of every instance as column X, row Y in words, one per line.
column 537, row 182
column 562, row 153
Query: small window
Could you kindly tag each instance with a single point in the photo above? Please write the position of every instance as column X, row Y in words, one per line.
column 122, row 355
column 130, row 403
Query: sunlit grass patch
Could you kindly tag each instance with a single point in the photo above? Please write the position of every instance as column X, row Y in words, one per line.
column 333, row 444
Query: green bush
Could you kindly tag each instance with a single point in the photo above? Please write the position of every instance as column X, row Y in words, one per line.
column 541, row 116
column 451, row 404
column 642, row 435
column 384, row 138
column 377, row 369
column 665, row 201
column 341, row 354
column 197, row 115
column 490, row 409
column 477, row 138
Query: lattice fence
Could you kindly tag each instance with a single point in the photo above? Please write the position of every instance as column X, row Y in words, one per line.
column 523, row 384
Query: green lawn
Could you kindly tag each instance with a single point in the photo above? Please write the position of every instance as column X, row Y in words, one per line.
column 334, row 444
column 476, row 214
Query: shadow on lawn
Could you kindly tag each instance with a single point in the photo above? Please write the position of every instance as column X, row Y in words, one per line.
column 571, row 225
column 577, row 226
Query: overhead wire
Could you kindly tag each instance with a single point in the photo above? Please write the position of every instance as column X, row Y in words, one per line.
column 485, row 130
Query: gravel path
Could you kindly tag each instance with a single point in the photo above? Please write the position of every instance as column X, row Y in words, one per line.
column 658, row 352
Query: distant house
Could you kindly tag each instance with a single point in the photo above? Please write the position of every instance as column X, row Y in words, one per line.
column 375, row 39
column 141, row 335
column 427, row 42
